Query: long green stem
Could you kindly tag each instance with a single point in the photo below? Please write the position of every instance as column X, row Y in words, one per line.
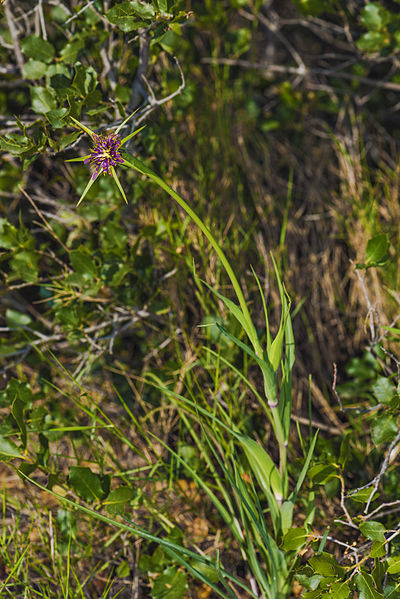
column 139, row 166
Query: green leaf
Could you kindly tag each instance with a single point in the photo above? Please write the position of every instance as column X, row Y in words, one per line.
column 71, row 50
column 82, row 262
column 161, row 5
column 373, row 530
column 67, row 140
column 294, row 539
column 123, row 570
column 374, row 16
column 8, row 235
column 312, row 7
column 286, row 516
column 321, row 473
column 326, row 565
column 17, row 410
column 391, row 591
column 345, row 452
column 206, row 570
column 275, row 351
column 15, row 143
column 378, row 549
column 43, row 99
column 263, row 467
column 236, row 311
column 170, row 41
column 339, row 590
column 384, row 390
column 86, row 483
column 378, row 573
column 37, row 48
column 55, row 117
column 17, row 319
column 128, row 15
column 153, row 563
column 19, row 389
column 394, row 564
column 25, row 265
column 310, row 582
column 34, row 69
column 85, row 79
column 384, row 428
column 117, row 181
column 8, row 450
column 363, row 495
column 303, row 472
column 270, row 387
column 117, row 499
column 365, row 587
column 62, row 85
column 377, row 249
column 377, row 253
column 372, row 41
column 172, row 584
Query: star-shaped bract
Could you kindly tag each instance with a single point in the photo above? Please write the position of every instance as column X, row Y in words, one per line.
column 104, row 155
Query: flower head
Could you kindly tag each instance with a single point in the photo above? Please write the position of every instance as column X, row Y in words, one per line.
column 105, row 154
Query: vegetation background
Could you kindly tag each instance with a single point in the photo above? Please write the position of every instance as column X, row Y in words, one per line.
column 277, row 122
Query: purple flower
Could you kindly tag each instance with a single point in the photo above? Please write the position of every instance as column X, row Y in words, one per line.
column 105, row 154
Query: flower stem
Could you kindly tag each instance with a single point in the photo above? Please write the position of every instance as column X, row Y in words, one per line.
column 139, row 166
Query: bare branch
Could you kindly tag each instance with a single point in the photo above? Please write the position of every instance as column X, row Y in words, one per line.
column 375, row 482
column 137, row 90
column 154, row 103
column 372, row 313
column 336, row 394
column 14, row 36
column 39, row 9
column 276, row 68
column 76, row 15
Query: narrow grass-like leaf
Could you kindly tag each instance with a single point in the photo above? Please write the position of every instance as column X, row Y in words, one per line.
column 285, row 403
column 177, row 550
column 265, row 471
column 252, row 513
column 15, row 567
column 240, row 374
column 286, row 516
column 255, row 527
column 323, row 542
column 228, row 517
column 270, row 386
column 304, row 470
column 265, row 309
column 275, row 351
column 236, row 312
